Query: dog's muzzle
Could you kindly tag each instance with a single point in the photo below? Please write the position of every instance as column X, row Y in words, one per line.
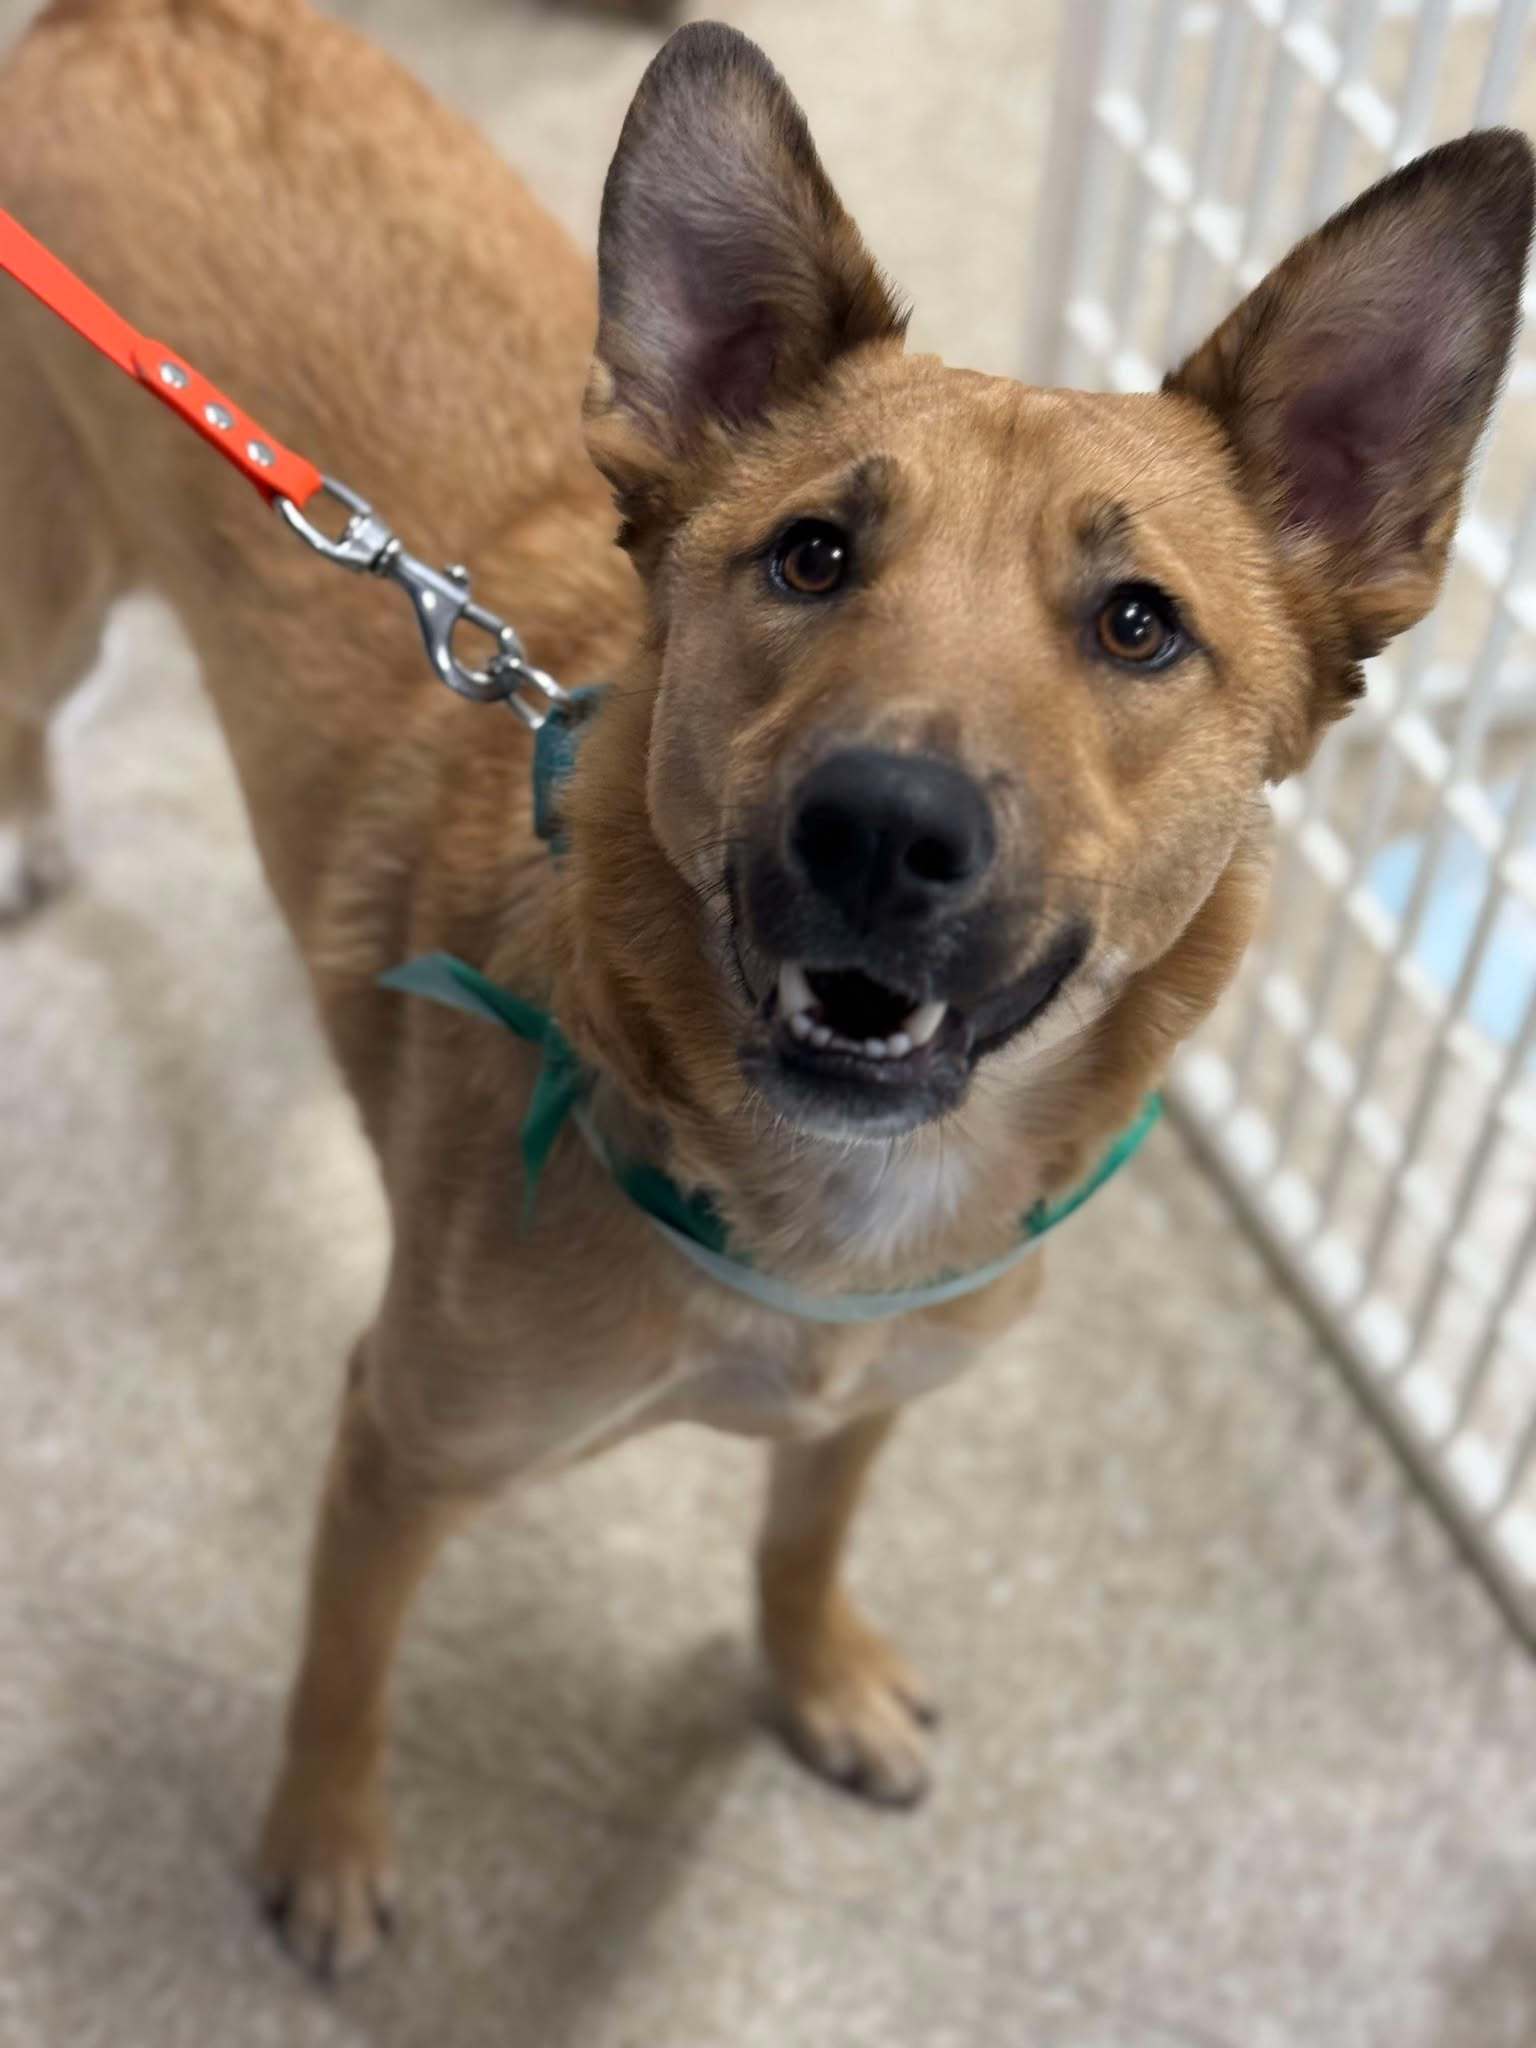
column 883, row 971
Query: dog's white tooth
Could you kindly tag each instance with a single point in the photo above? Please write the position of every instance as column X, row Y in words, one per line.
column 924, row 1022
column 898, row 1045
column 794, row 990
column 820, row 1035
column 875, row 1047
column 800, row 1023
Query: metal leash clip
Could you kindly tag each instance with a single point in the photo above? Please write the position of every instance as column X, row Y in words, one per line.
column 442, row 603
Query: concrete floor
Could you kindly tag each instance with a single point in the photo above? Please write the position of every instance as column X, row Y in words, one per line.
column 1236, row 1756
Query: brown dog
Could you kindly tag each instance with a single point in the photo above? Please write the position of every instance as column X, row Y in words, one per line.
column 944, row 711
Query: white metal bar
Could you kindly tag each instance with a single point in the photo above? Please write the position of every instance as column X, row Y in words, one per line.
column 1431, row 860
column 1516, row 566
column 1374, row 1036
column 1193, row 267
column 1155, row 91
column 1466, row 805
column 1379, row 1138
column 1469, row 1184
column 1482, row 685
column 1288, row 1008
column 1274, row 124
column 1337, row 129
column 1377, row 930
column 1513, row 709
column 1202, row 1107
column 1524, row 1451
column 1310, row 54
column 1338, row 932
column 1284, row 907
column 1519, row 1465
column 1386, row 780
column 1522, row 815
column 1424, row 71
column 1518, row 562
column 1071, row 196
column 1503, row 66
column 1522, row 1262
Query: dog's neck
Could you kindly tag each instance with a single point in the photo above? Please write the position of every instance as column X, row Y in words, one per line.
column 860, row 1214
column 642, row 985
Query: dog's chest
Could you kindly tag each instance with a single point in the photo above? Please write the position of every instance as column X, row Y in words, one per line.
column 767, row 1374
column 779, row 1378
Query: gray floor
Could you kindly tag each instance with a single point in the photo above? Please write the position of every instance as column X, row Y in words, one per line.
column 1235, row 1753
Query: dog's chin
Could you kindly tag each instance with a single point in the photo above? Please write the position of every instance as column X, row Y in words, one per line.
column 840, row 1054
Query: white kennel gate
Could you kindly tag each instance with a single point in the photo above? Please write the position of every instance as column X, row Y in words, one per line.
column 1368, row 1094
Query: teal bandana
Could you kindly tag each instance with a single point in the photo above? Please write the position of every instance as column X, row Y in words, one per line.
column 691, row 1222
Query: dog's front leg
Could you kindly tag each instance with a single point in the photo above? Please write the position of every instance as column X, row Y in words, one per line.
column 326, row 1857
column 851, row 1707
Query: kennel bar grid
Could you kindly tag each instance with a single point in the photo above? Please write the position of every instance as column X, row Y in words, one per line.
column 1368, row 1092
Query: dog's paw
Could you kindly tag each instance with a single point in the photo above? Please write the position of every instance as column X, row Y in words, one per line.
column 33, row 867
column 853, row 1710
column 327, row 1879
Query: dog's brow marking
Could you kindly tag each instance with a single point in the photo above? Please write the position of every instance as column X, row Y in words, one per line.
column 1106, row 529
column 870, row 487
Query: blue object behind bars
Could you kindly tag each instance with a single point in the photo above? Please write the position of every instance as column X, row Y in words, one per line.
column 1507, row 976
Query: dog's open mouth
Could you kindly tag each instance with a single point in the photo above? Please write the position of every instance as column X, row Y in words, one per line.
column 845, row 1047
column 845, row 1014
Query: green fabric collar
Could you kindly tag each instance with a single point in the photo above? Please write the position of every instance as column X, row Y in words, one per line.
column 691, row 1222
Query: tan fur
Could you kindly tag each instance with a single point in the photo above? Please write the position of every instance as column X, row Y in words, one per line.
column 274, row 198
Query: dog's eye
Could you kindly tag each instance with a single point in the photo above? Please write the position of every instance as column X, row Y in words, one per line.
column 812, row 558
column 1137, row 623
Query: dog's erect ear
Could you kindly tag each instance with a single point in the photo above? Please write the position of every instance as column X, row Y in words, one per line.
column 729, row 275
column 1353, row 383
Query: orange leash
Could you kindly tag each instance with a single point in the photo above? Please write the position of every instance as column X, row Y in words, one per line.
column 441, row 597
column 258, row 455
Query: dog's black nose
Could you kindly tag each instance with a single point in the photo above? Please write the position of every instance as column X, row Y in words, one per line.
column 890, row 836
